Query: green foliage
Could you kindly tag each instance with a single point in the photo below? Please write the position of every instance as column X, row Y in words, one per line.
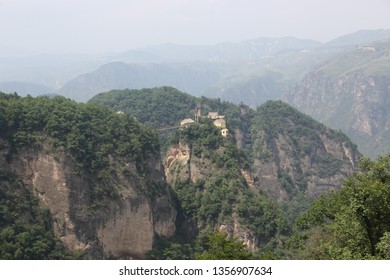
column 383, row 246
column 218, row 246
column 208, row 246
column 210, row 200
column 202, row 136
column 25, row 227
column 170, row 250
column 262, row 216
column 355, row 220
column 222, row 192
column 275, row 118
column 164, row 108
column 322, row 211
column 156, row 107
column 282, row 135
column 286, row 182
column 89, row 133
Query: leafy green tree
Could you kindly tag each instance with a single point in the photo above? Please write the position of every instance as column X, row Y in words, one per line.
column 219, row 246
column 25, row 226
column 355, row 222
column 170, row 250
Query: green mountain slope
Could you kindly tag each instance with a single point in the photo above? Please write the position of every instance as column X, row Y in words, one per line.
column 26, row 227
column 293, row 154
column 352, row 223
column 98, row 172
column 210, row 177
column 273, row 157
column 154, row 107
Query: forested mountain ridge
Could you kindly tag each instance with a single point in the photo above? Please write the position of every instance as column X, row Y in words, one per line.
column 251, row 71
column 277, row 138
column 89, row 174
column 294, row 154
column 119, row 75
column 274, row 157
column 95, row 173
column 212, row 180
column 153, row 107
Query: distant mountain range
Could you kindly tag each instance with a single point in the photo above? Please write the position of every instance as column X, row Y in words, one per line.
column 244, row 57
column 351, row 92
column 250, row 71
column 25, row 88
column 361, row 37
column 308, row 74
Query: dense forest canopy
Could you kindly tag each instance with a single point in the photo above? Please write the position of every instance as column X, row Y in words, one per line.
column 89, row 132
column 156, row 107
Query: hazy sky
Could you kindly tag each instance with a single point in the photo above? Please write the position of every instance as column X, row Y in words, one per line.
column 95, row 26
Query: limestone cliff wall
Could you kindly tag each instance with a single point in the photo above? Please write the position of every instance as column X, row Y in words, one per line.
column 180, row 165
column 322, row 168
column 355, row 102
column 124, row 225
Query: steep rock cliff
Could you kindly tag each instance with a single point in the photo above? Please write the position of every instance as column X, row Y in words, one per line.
column 181, row 167
column 351, row 92
column 215, row 187
column 103, row 204
column 123, row 225
column 273, row 158
column 294, row 154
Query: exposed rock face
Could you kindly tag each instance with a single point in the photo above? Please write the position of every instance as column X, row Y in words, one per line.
column 123, row 225
column 295, row 154
column 177, row 160
column 236, row 230
column 294, row 159
column 181, row 166
column 286, row 173
column 355, row 102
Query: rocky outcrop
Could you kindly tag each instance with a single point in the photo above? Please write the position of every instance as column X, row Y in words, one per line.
column 179, row 164
column 312, row 174
column 294, row 154
column 122, row 224
column 182, row 166
column 351, row 93
column 176, row 163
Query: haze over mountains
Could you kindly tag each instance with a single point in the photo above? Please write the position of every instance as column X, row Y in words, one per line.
column 251, row 72
column 140, row 169
column 55, row 70
column 351, row 92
